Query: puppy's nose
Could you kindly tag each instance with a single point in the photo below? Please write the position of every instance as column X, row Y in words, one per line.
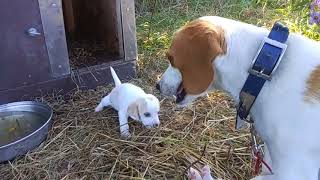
column 158, row 86
column 156, row 125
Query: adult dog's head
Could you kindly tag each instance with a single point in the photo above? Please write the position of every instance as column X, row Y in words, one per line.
column 191, row 71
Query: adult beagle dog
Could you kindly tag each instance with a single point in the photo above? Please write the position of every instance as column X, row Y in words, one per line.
column 212, row 53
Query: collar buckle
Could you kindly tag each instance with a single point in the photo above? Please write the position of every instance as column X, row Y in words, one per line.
column 261, row 73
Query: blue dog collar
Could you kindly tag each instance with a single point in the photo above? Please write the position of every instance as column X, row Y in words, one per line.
column 263, row 66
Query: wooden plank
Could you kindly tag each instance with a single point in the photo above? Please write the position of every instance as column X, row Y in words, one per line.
column 54, row 32
column 129, row 29
column 119, row 28
column 86, row 78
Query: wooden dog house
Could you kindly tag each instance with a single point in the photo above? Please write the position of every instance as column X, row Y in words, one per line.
column 58, row 45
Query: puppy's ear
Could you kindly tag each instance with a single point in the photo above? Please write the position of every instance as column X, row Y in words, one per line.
column 133, row 109
column 151, row 97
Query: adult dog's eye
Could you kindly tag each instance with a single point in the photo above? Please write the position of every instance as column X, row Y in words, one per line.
column 147, row 114
column 170, row 58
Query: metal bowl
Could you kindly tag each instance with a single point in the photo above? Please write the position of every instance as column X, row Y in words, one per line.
column 23, row 126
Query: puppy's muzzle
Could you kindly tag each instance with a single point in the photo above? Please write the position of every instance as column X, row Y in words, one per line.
column 156, row 125
column 153, row 125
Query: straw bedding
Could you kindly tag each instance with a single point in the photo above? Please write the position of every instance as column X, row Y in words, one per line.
column 85, row 53
column 86, row 145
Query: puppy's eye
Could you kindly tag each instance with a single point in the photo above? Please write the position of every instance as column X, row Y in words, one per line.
column 147, row 114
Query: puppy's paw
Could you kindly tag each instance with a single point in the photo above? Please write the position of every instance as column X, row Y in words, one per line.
column 193, row 174
column 98, row 108
column 125, row 135
column 149, row 126
column 206, row 173
column 184, row 106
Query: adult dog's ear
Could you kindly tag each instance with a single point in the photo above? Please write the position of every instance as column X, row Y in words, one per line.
column 192, row 51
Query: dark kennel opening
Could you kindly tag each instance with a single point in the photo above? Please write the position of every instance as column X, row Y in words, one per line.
column 92, row 32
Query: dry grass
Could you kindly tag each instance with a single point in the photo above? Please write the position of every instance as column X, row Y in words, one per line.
column 86, row 145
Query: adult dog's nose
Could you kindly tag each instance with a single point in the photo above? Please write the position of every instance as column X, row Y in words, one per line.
column 158, row 86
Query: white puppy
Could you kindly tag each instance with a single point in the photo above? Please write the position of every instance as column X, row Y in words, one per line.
column 131, row 101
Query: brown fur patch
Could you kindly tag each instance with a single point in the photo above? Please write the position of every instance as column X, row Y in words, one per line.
column 313, row 86
column 192, row 50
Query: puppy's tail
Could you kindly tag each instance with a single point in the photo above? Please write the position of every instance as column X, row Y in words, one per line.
column 115, row 77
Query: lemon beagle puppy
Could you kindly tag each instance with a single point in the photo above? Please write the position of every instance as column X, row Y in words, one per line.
column 131, row 101
column 213, row 53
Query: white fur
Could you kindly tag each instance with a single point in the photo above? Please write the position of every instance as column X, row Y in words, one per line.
column 125, row 96
column 288, row 124
column 170, row 81
column 169, row 84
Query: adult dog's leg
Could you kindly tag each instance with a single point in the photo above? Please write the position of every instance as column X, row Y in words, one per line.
column 194, row 174
column 267, row 159
column 205, row 174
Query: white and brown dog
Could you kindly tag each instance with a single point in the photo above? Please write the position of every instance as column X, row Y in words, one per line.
column 216, row 53
column 131, row 101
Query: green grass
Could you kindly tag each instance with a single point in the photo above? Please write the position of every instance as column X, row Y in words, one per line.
column 158, row 19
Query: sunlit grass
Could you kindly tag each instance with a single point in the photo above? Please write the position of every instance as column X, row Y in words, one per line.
column 158, row 19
